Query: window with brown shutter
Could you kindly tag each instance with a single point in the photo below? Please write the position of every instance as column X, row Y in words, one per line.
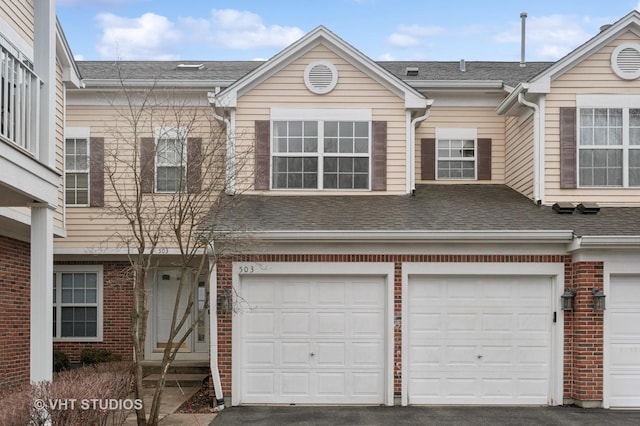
column 428, row 159
column 262, row 154
column 96, row 172
column 147, row 164
column 194, row 165
column 379, row 156
column 484, row 158
column 568, row 148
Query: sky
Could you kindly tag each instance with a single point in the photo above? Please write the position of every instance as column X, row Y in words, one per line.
column 392, row 30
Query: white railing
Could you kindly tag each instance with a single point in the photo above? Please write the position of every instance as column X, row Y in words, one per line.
column 19, row 99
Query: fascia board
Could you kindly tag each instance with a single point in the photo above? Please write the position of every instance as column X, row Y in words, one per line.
column 513, row 236
column 606, row 241
column 63, row 51
column 631, row 22
column 146, row 83
column 457, row 84
column 512, row 100
column 322, row 36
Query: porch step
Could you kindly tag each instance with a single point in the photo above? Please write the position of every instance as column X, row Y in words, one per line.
column 177, row 367
column 185, row 380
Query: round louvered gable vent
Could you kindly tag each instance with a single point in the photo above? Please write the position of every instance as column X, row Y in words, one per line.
column 625, row 61
column 320, row 77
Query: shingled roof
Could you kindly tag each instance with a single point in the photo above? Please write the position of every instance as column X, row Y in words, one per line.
column 511, row 73
column 433, row 208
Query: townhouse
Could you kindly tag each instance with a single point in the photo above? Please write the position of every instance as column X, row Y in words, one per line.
column 421, row 232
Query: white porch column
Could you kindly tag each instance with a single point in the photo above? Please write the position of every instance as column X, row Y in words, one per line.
column 41, row 293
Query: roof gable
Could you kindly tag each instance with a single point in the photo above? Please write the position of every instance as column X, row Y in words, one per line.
column 542, row 82
column 320, row 36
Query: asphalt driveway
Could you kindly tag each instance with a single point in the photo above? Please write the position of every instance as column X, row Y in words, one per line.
column 300, row 415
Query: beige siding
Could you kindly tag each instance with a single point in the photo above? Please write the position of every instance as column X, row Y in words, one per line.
column 19, row 14
column 484, row 119
column 91, row 229
column 519, row 155
column 593, row 76
column 355, row 89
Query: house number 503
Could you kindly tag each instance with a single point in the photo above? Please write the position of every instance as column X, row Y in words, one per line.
column 246, row 269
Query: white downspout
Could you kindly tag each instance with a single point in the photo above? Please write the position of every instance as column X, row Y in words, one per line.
column 213, row 335
column 412, row 131
column 537, row 169
column 231, row 146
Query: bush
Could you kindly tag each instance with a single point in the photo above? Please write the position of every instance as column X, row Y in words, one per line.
column 39, row 403
column 60, row 361
column 90, row 356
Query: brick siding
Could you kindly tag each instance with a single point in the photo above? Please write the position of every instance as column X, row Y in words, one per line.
column 15, row 310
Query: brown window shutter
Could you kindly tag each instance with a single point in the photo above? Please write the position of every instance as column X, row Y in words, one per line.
column 194, row 165
column 484, row 158
column 568, row 147
column 147, row 164
column 96, row 172
column 263, row 154
column 379, row 156
column 428, row 159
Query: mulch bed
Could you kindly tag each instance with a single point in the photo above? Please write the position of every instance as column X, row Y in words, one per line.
column 200, row 402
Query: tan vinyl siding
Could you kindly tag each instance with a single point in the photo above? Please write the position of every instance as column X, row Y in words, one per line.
column 19, row 14
column 489, row 125
column 519, row 155
column 91, row 229
column 592, row 76
column 286, row 89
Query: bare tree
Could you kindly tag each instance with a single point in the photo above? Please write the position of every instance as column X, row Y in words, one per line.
column 167, row 166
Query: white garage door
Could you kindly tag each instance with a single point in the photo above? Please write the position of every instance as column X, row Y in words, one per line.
column 313, row 340
column 623, row 316
column 479, row 340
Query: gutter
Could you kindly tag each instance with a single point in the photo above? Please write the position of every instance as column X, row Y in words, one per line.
column 506, row 236
column 213, row 336
column 456, row 84
column 116, row 84
column 230, row 187
column 412, row 147
column 538, row 131
column 605, row 241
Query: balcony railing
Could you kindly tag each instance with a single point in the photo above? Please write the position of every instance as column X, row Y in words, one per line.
column 19, row 99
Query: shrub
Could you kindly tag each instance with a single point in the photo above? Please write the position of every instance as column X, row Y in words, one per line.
column 104, row 382
column 90, row 356
column 60, row 361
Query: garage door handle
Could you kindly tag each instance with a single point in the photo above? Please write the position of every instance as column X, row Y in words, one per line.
column 312, row 354
column 479, row 357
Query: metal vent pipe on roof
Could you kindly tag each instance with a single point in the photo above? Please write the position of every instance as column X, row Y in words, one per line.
column 523, row 16
column 463, row 66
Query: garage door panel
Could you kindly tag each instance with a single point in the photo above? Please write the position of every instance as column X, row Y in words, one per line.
column 492, row 348
column 328, row 335
column 260, row 354
column 623, row 317
column 295, row 324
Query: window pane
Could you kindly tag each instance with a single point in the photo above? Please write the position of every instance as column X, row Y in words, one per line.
column 330, row 144
column 280, row 129
column 279, row 164
column 362, row 129
column 362, row 145
column 311, row 145
column 586, row 136
column 330, row 164
column 345, row 165
column 345, row 181
column 294, row 164
column 295, row 144
column 310, row 165
column 310, row 180
column 346, row 129
column 310, row 128
column 361, row 164
column 634, row 136
column 330, row 129
column 600, row 167
column 295, row 128
column 360, row 181
column 294, row 180
column 634, row 167
column 586, row 117
column 345, row 145
column 280, row 145
column 91, row 296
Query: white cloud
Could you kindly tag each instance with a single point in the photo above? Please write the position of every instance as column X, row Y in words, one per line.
column 91, row 2
column 150, row 36
column 412, row 35
column 236, row 29
column 549, row 37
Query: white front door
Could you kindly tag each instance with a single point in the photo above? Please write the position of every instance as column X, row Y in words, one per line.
column 313, row 339
column 479, row 340
column 623, row 354
column 165, row 291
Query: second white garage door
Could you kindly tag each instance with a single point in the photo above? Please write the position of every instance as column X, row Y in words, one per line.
column 313, row 340
column 479, row 340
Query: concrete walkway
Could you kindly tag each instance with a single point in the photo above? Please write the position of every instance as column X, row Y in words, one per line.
column 172, row 399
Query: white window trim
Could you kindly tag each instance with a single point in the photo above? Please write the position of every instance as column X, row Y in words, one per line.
column 98, row 269
column 623, row 102
column 455, row 133
column 178, row 133
column 77, row 133
column 319, row 115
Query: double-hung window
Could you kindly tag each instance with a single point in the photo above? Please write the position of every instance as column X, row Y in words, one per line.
column 77, row 171
column 609, row 147
column 321, row 154
column 171, row 162
column 456, row 152
column 77, row 298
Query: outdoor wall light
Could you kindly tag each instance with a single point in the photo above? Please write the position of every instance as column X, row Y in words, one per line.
column 225, row 301
column 567, row 299
column 598, row 299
